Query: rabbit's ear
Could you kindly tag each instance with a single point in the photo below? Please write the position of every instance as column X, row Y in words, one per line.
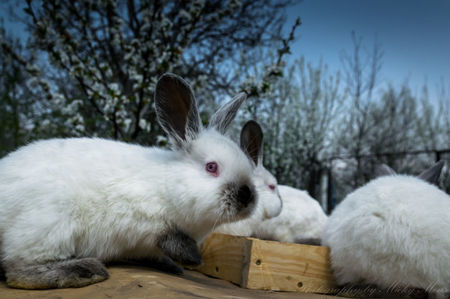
column 433, row 173
column 384, row 170
column 252, row 141
column 225, row 115
column 176, row 108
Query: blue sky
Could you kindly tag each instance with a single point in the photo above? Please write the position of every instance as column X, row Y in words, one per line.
column 414, row 35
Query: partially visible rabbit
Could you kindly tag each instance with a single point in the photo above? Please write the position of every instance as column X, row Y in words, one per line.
column 297, row 217
column 394, row 231
column 301, row 220
column 67, row 205
column 269, row 202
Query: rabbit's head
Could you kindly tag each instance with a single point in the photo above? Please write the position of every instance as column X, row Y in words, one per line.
column 269, row 201
column 212, row 177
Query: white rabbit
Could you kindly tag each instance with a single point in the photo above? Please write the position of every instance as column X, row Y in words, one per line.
column 67, row 205
column 301, row 220
column 269, row 202
column 393, row 232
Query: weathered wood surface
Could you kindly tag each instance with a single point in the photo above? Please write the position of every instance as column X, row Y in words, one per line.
column 268, row 265
column 128, row 281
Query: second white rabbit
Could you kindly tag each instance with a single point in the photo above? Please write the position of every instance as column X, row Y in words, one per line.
column 393, row 231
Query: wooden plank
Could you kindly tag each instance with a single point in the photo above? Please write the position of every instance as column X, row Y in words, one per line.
column 268, row 265
column 290, row 267
column 226, row 257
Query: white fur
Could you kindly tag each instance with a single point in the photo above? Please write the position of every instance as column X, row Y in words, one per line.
column 269, row 205
column 301, row 218
column 394, row 231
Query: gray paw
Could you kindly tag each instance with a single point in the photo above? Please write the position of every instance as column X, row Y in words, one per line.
column 180, row 247
column 84, row 268
column 58, row 274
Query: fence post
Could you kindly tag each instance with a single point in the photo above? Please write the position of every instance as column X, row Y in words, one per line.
column 331, row 199
column 437, row 155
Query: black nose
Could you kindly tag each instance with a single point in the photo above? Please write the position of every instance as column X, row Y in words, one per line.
column 245, row 195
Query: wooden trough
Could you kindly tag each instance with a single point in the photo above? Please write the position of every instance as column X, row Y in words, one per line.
column 268, row 265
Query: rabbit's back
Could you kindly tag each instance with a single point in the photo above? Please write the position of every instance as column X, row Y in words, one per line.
column 79, row 167
column 392, row 230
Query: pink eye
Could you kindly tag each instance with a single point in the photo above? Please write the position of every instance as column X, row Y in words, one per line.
column 212, row 168
column 272, row 187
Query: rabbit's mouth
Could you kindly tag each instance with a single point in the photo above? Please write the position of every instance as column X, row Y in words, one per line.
column 238, row 201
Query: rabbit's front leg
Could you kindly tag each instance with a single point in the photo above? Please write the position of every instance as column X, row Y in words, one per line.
column 180, row 247
column 57, row 274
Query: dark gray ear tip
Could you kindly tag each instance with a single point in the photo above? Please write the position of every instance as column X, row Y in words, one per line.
column 253, row 128
column 384, row 170
column 240, row 97
column 223, row 117
column 253, row 125
column 437, row 167
column 170, row 78
column 252, row 141
column 384, row 166
column 433, row 173
column 170, row 83
column 242, row 94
